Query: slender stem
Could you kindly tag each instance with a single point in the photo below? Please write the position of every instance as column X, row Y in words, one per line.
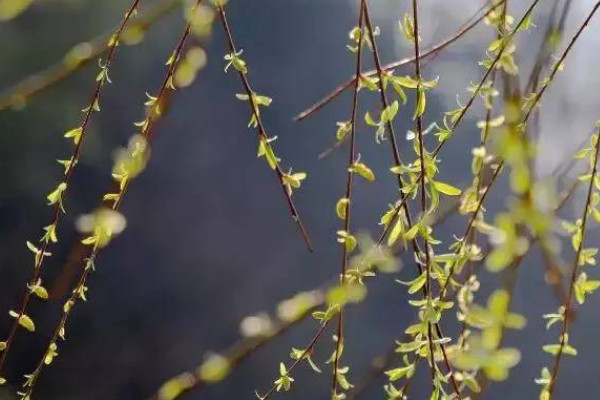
column 262, row 132
column 348, row 197
column 306, row 351
column 574, row 269
column 419, row 125
column 30, row 86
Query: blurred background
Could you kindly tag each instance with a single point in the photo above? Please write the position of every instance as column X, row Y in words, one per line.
column 209, row 239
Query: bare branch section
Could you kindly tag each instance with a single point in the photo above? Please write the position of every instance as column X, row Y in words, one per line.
column 77, row 58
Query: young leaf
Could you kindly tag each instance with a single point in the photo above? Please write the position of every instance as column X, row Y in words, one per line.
column 446, row 189
column 24, row 320
column 341, row 208
column 362, row 170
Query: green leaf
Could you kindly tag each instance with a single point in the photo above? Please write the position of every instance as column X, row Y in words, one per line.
column 74, row 134
column 363, row 170
column 266, row 150
column 293, row 180
column 396, row 232
column 421, row 104
column 51, row 354
column 24, row 320
column 10, row 9
column 389, row 113
column 341, row 208
column 446, row 188
column 369, row 120
column 346, row 293
column 55, row 197
column 343, row 129
column 412, row 232
column 234, row 59
column 347, row 239
column 416, row 284
column 285, row 381
column 398, row 373
column 214, row 369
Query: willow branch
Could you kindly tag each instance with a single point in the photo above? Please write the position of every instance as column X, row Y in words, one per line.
column 147, row 133
column 348, row 197
column 262, row 132
column 244, row 348
column 77, row 58
column 57, row 207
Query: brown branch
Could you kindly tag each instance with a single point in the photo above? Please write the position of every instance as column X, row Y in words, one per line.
column 348, row 197
column 19, row 93
column 567, row 303
column 262, row 133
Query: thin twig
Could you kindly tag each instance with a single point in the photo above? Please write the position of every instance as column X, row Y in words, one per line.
column 574, row 269
column 262, row 132
column 419, row 125
column 348, row 197
column 22, row 91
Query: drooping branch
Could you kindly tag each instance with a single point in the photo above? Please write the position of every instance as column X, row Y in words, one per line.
column 77, row 58
column 347, row 204
column 262, row 132
column 101, row 235
column 56, row 198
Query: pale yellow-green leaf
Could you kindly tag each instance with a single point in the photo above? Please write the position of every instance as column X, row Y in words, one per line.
column 10, row 9
column 447, row 189
column 341, row 208
column 24, row 320
column 363, row 170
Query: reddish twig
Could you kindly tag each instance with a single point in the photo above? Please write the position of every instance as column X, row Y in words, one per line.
column 262, row 132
